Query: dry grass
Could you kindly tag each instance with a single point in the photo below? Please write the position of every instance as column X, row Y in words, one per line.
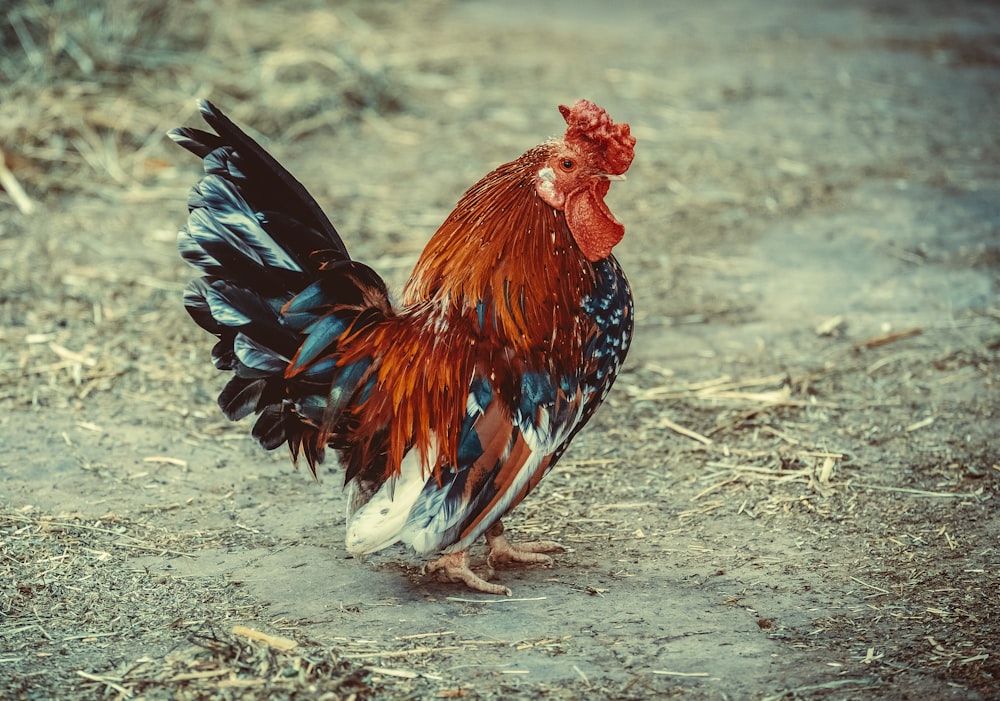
column 924, row 566
column 71, row 590
column 90, row 87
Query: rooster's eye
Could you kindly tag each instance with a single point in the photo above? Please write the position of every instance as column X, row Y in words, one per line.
column 568, row 164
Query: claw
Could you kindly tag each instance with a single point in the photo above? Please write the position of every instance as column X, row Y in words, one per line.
column 531, row 552
column 454, row 567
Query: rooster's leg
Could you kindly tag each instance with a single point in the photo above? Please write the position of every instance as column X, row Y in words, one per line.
column 503, row 551
column 455, row 568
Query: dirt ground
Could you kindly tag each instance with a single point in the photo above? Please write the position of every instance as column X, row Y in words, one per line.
column 792, row 490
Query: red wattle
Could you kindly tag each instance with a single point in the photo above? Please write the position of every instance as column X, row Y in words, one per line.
column 594, row 227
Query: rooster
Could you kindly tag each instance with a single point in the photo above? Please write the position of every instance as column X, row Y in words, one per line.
column 447, row 408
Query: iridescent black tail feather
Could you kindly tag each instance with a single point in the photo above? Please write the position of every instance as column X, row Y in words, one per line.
column 278, row 287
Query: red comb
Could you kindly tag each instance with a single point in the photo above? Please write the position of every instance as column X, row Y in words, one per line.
column 590, row 126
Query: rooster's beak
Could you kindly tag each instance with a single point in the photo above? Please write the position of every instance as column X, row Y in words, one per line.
column 609, row 176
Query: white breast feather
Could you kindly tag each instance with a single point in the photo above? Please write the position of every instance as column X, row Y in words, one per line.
column 378, row 524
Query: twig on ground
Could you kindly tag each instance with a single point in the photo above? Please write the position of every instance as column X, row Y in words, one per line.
column 890, row 337
column 677, row 428
column 13, row 188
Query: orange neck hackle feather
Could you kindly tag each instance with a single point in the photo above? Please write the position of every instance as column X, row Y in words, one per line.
column 503, row 247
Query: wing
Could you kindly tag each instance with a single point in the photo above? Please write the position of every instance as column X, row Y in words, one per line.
column 504, row 451
column 507, row 448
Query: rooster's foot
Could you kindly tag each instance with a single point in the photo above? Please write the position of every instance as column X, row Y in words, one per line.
column 454, row 567
column 503, row 551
